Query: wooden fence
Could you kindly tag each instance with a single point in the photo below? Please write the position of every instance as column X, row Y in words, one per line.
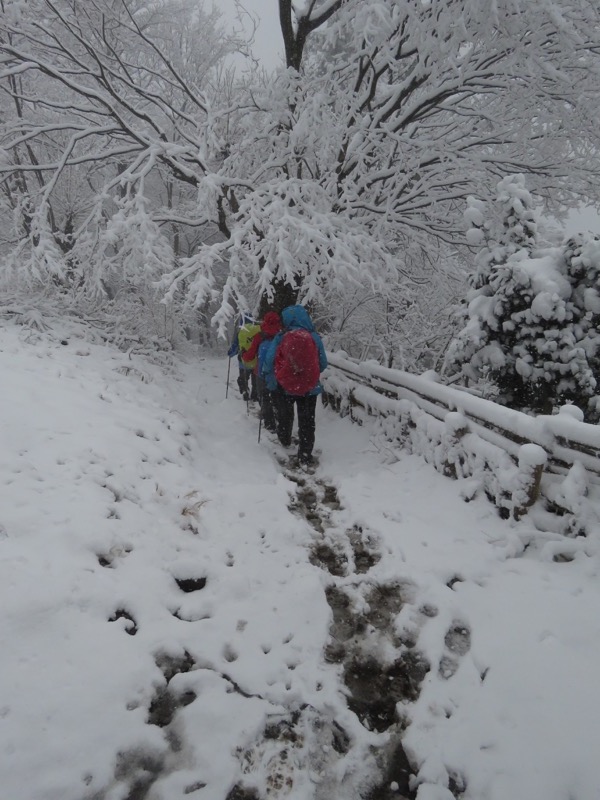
column 518, row 461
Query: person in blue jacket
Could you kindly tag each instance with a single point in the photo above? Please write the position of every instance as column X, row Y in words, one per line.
column 294, row 317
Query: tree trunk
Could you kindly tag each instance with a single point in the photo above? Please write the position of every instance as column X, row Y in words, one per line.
column 284, row 295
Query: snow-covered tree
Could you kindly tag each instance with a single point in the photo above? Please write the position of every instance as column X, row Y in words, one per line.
column 388, row 115
column 113, row 97
column 408, row 327
column 529, row 319
column 581, row 256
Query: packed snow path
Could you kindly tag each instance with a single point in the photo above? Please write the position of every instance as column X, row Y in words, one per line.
column 183, row 615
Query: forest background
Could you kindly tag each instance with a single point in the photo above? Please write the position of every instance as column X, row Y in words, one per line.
column 398, row 173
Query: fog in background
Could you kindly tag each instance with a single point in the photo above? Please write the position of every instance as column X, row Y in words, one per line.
column 268, row 44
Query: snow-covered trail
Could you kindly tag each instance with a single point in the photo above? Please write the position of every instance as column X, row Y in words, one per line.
column 181, row 616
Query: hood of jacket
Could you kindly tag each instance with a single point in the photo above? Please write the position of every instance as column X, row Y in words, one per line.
column 271, row 324
column 297, row 317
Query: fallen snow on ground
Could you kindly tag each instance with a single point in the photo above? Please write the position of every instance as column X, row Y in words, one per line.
column 181, row 617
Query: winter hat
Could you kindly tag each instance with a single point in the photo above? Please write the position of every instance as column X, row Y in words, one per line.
column 271, row 324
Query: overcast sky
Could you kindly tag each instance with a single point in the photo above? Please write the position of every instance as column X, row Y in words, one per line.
column 587, row 219
column 268, row 47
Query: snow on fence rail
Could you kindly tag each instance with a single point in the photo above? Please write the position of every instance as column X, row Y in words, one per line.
column 514, row 458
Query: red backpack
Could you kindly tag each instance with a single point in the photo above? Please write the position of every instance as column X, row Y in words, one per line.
column 297, row 362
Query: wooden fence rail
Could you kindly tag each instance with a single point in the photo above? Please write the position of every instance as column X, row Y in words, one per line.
column 516, row 459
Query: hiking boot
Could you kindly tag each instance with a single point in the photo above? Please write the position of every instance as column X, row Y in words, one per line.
column 307, row 464
column 306, row 459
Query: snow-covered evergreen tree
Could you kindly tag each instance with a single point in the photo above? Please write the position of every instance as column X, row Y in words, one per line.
column 581, row 256
column 529, row 317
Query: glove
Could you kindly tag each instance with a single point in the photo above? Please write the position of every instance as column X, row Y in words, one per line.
column 233, row 350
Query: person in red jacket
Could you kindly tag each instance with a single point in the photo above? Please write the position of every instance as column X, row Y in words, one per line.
column 269, row 328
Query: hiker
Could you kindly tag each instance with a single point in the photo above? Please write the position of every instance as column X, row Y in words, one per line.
column 243, row 333
column 291, row 368
column 269, row 327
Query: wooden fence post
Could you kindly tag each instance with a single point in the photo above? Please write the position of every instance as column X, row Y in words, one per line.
column 455, row 427
column 532, row 460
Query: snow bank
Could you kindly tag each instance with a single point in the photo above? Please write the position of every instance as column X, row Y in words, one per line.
column 164, row 616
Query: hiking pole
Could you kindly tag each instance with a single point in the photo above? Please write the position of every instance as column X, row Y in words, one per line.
column 259, row 425
column 228, row 371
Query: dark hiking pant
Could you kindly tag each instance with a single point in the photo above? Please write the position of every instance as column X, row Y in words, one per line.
column 247, row 383
column 267, row 406
column 306, row 421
